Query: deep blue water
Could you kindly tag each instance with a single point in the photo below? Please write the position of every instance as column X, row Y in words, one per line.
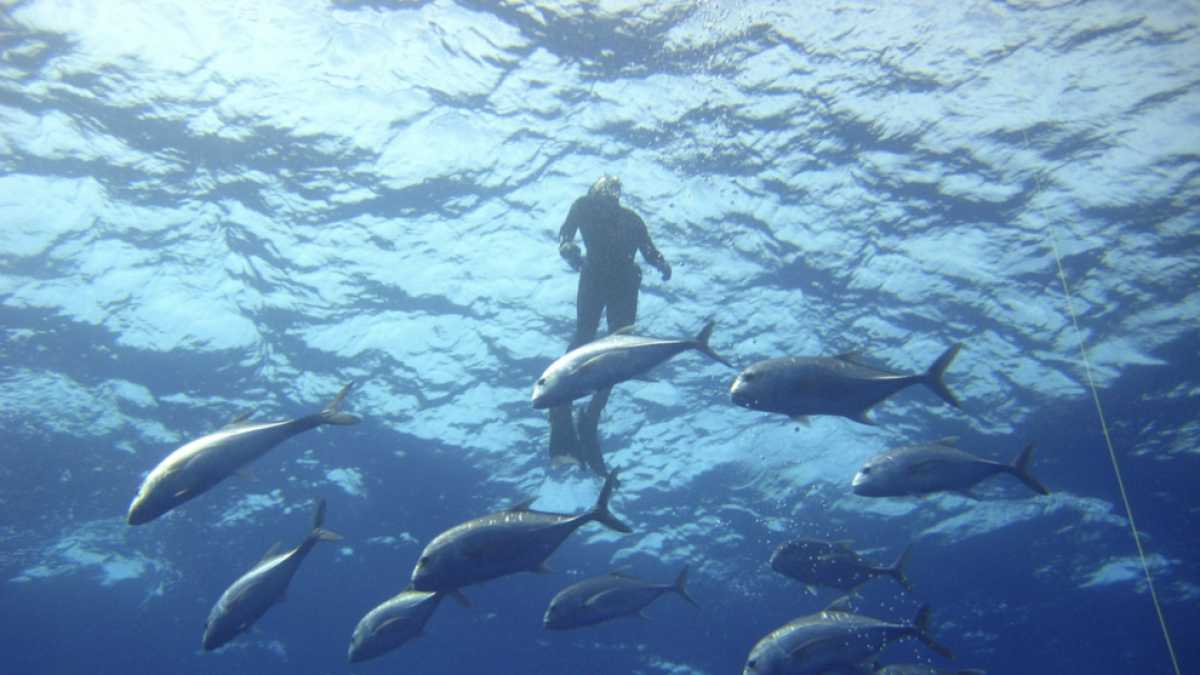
column 209, row 210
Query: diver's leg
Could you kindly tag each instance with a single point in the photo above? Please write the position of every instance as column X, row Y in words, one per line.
column 621, row 295
column 622, row 299
column 589, row 304
column 564, row 443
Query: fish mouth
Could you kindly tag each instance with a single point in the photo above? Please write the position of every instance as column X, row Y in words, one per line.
column 740, row 397
column 138, row 515
column 861, row 486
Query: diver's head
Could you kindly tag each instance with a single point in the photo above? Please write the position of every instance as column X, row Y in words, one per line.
column 606, row 186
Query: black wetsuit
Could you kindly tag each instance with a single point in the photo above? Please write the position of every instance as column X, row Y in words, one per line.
column 609, row 281
column 609, row 278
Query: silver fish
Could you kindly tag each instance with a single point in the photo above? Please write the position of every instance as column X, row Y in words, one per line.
column 834, row 640
column 802, row 385
column 612, row 596
column 496, row 545
column 256, row 591
column 392, row 623
column 608, row 361
column 936, row 467
column 198, row 466
column 833, row 565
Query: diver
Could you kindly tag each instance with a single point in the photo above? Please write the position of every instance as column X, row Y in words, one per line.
column 609, row 280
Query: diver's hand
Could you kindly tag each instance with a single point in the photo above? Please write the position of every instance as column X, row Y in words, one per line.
column 665, row 268
column 572, row 254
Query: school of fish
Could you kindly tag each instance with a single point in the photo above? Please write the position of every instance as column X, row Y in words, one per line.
column 521, row 539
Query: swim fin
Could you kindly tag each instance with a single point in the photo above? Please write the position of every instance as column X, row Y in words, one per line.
column 564, row 444
column 590, row 453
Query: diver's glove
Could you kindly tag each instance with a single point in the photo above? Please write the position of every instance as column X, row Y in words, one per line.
column 665, row 268
column 572, row 254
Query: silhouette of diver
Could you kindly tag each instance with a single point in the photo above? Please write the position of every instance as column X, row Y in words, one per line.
column 609, row 280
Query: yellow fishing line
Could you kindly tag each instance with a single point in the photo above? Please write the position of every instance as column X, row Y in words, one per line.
column 1087, row 369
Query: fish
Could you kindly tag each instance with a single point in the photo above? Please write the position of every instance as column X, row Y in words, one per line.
column 609, row 361
column 801, row 386
column 256, row 591
column 834, row 640
column 199, row 465
column 594, row 601
column 936, row 467
column 496, row 545
column 922, row 669
column 833, row 565
column 392, row 623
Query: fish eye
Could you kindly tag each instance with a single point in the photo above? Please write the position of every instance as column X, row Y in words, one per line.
column 424, row 560
column 752, row 663
column 865, row 470
column 746, row 377
column 542, row 381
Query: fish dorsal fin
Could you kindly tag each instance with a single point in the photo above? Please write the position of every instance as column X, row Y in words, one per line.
column 624, row 330
column 948, row 441
column 270, row 554
column 239, row 420
column 844, row 543
column 842, row 604
column 622, row 572
column 851, row 356
column 522, row 506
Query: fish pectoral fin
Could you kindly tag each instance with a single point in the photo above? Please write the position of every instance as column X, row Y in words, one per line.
column 543, row 568
column 802, row 651
column 948, row 441
column 383, row 626
column 929, row 465
column 596, row 361
column 621, row 572
column 598, row 599
column 802, row 420
column 461, row 599
column 246, row 473
column 645, row 377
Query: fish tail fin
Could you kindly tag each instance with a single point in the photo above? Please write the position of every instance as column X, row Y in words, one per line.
column 680, row 587
column 701, row 341
column 600, row 512
column 933, row 377
column 920, row 630
column 1020, row 469
column 897, row 570
column 319, row 533
column 330, row 414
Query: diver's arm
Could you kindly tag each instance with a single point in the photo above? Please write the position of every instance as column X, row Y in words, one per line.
column 652, row 255
column 566, row 236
